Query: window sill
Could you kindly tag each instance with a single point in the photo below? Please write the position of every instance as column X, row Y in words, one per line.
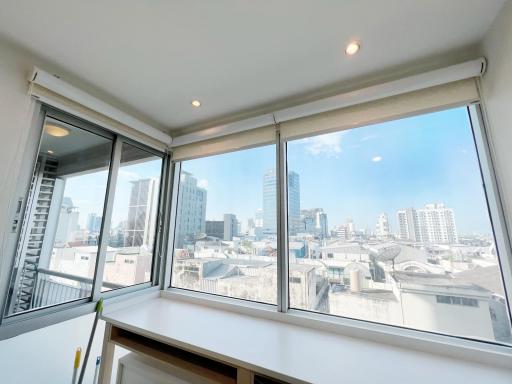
column 40, row 318
column 437, row 344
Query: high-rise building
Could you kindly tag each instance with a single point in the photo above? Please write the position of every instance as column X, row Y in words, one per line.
column 230, row 226
column 215, row 228
column 341, row 232
column 433, row 224
column 382, row 228
column 142, row 211
column 314, row 221
column 351, row 228
column 93, row 222
column 270, row 203
column 293, row 203
column 321, row 225
column 191, row 215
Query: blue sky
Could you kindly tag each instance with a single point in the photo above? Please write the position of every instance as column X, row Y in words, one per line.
column 362, row 172
column 356, row 174
column 88, row 191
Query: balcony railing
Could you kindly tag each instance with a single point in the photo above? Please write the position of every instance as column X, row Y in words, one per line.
column 53, row 287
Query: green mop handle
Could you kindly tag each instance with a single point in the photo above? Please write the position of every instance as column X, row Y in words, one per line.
column 99, row 309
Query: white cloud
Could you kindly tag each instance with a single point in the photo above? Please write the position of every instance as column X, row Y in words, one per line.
column 372, row 136
column 202, row 183
column 376, row 159
column 327, row 145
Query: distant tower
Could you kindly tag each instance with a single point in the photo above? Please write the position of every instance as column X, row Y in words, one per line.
column 382, row 229
column 270, row 203
column 191, row 215
column 142, row 211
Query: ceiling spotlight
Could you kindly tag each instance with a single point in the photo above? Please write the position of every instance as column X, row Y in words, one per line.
column 50, row 152
column 352, row 48
column 56, row 130
column 196, row 103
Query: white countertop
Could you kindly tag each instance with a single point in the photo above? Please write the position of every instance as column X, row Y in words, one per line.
column 290, row 351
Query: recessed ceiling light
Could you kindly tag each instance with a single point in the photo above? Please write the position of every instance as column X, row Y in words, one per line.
column 50, row 152
column 56, row 130
column 196, row 103
column 352, row 48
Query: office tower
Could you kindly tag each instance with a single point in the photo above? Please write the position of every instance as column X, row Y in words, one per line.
column 293, row 203
column 321, row 227
column 230, row 226
column 142, row 211
column 93, row 222
column 314, row 222
column 382, row 228
column 269, row 203
column 433, row 224
column 215, row 228
column 191, row 215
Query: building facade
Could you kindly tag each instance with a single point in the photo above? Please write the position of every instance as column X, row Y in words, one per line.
column 382, row 230
column 191, row 214
column 270, row 206
column 230, row 226
column 432, row 224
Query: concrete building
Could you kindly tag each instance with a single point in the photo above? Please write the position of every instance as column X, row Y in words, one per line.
column 94, row 223
column 230, row 226
column 214, row 228
column 142, row 212
column 191, row 214
column 432, row 224
column 270, row 203
column 382, row 230
column 314, row 222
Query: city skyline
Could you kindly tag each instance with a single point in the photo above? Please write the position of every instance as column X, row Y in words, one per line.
column 417, row 161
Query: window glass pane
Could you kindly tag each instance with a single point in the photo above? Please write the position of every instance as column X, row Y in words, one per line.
column 225, row 236
column 133, row 228
column 58, row 244
column 389, row 223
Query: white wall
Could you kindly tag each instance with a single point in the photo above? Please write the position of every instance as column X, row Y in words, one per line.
column 497, row 92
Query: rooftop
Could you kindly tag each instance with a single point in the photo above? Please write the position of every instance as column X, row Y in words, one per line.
column 434, row 280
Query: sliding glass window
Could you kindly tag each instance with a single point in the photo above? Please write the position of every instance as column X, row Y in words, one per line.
column 60, row 240
column 389, row 223
column 58, row 245
column 225, row 240
column 131, row 245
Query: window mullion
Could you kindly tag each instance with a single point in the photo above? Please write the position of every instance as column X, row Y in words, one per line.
column 107, row 219
column 172, row 191
column 282, row 225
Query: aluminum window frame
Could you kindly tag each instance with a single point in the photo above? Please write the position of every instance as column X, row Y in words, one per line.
column 494, row 208
column 174, row 197
column 391, row 334
column 36, row 318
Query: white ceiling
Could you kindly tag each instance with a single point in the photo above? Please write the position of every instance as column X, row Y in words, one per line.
column 157, row 55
